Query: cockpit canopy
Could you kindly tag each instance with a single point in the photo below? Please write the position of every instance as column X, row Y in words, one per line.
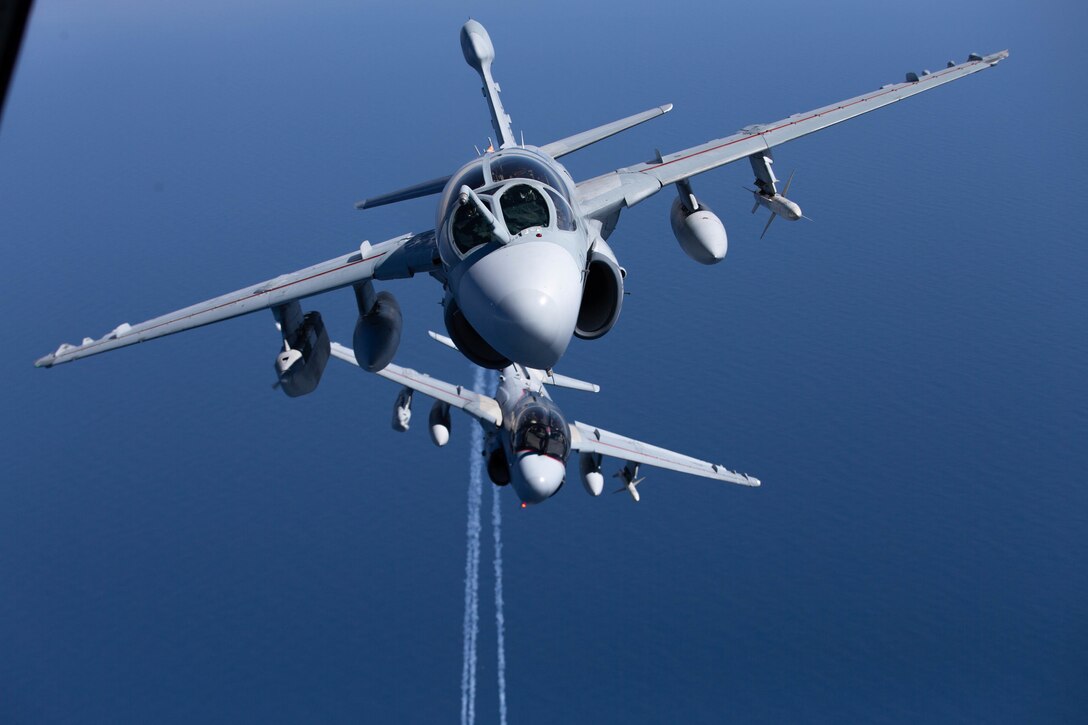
column 518, row 206
column 540, row 428
column 471, row 176
column 524, row 167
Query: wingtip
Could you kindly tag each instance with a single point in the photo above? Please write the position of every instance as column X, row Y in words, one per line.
column 666, row 108
column 745, row 480
column 361, row 204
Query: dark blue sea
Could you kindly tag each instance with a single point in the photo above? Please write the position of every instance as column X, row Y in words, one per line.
column 907, row 374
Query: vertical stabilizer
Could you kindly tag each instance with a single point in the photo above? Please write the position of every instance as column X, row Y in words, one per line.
column 479, row 53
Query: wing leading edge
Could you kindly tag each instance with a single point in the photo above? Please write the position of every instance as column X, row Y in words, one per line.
column 588, row 439
column 395, row 258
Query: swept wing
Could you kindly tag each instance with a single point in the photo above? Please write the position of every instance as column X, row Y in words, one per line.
column 480, row 406
column 588, row 439
column 399, row 257
column 628, row 186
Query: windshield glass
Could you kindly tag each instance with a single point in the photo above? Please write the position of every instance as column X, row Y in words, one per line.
column 469, row 228
column 564, row 217
column 542, row 431
column 523, row 207
column 524, row 167
column 471, row 176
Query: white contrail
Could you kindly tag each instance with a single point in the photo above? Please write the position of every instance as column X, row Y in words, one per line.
column 483, row 383
column 472, row 566
column 500, row 621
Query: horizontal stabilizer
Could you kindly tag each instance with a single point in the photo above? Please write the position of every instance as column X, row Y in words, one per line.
column 585, row 138
column 442, row 339
column 563, row 381
column 426, row 188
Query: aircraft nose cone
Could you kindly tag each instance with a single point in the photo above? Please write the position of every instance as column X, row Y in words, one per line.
column 524, row 300
column 538, row 477
column 794, row 210
column 532, row 323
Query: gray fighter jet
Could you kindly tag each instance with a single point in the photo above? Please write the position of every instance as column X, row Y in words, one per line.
column 518, row 245
column 527, row 441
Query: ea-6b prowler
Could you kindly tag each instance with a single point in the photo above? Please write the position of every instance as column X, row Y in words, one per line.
column 518, row 245
column 527, row 440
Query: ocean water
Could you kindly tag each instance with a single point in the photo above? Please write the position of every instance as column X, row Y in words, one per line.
column 906, row 374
